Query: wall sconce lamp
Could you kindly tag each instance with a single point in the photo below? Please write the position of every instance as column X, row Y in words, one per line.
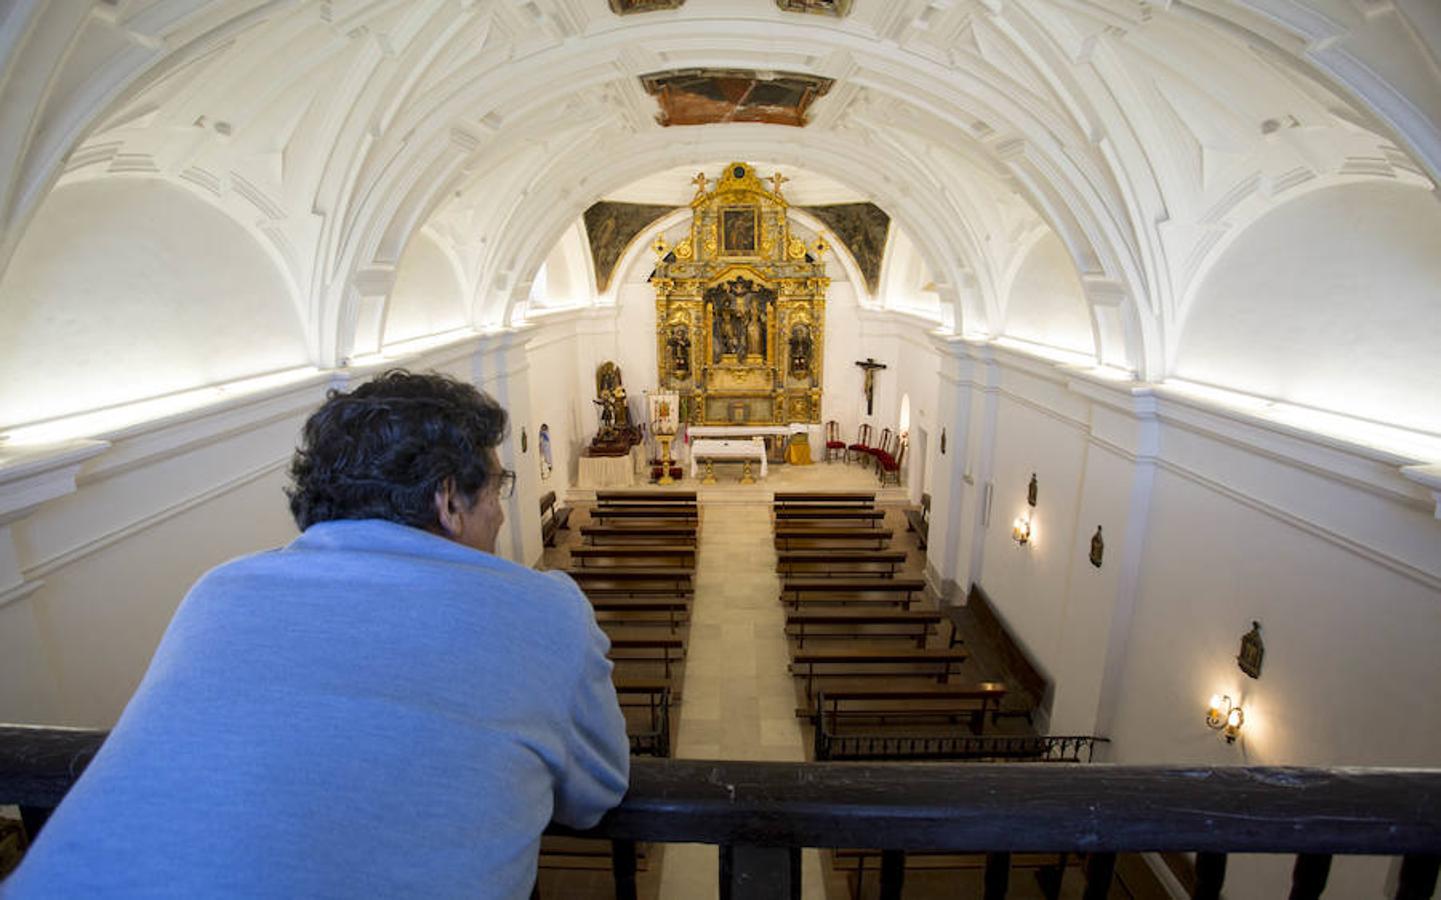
column 1021, row 531
column 1021, row 528
column 1223, row 716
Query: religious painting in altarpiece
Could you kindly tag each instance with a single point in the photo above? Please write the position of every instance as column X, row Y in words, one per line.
column 740, row 307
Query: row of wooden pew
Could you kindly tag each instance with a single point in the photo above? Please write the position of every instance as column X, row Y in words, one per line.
column 636, row 565
column 881, row 673
column 868, row 654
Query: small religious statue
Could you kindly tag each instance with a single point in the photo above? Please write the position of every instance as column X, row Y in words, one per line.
column 1253, row 651
column 679, row 346
column 700, row 184
column 1098, row 547
column 621, row 414
column 800, row 350
column 870, row 366
column 777, row 179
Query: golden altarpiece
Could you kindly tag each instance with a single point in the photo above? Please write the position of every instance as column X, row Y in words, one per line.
column 740, row 307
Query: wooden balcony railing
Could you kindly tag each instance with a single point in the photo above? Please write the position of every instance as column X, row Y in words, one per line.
column 760, row 814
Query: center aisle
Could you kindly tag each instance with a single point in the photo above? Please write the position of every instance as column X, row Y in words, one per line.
column 739, row 700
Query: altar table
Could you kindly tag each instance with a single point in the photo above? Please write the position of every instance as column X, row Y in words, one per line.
column 710, row 448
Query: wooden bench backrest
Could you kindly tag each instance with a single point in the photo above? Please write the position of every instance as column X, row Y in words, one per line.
column 646, row 496
column 1027, row 678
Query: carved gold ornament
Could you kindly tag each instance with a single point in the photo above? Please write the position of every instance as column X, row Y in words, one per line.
column 796, row 249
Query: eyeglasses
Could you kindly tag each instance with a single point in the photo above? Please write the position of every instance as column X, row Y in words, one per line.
column 506, row 481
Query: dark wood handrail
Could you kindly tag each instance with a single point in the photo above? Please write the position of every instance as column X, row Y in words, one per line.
column 971, row 807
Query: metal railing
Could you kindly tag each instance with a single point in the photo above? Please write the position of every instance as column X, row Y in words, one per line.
column 760, row 814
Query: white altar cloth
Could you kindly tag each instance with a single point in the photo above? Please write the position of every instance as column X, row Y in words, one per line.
column 709, row 448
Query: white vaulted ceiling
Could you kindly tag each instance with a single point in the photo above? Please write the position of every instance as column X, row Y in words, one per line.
column 1135, row 139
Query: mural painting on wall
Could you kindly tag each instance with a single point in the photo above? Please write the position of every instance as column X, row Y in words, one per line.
column 547, row 462
column 837, row 8
column 740, row 306
column 625, row 7
column 862, row 228
column 709, row 96
column 610, row 227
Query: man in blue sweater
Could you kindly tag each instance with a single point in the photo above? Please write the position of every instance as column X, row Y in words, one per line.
column 382, row 708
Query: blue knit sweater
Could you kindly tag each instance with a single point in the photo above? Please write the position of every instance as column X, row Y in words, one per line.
column 370, row 711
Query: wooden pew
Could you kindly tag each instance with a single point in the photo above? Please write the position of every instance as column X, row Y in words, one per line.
column 912, row 624
column 843, row 563
column 791, row 515
column 670, row 611
column 919, row 521
column 829, row 498
column 939, row 662
column 672, row 577
column 552, row 519
column 1030, row 689
column 683, row 535
column 905, row 707
column 601, row 557
column 610, row 498
column 841, row 589
column 788, row 536
column 672, row 512
column 634, row 646
column 651, row 698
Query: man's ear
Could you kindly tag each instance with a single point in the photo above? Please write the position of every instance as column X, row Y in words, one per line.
column 448, row 509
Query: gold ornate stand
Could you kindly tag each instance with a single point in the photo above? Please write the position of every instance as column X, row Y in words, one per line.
column 709, row 472
column 746, row 476
column 665, row 478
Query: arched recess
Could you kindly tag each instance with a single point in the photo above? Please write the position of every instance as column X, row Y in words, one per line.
column 1045, row 302
column 570, row 273
column 1328, row 301
column 428, row 296
column 553, row 204
column 906, row 283
column 129, row 288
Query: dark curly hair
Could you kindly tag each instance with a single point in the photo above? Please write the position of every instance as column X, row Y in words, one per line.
column 384, row 449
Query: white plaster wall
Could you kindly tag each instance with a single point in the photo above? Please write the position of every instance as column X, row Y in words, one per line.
column 98, row 571
column 126, row 288
column 102, row 616
column 1046, row 304
column 1349, row 675
column 1036, row 431
column 554, row 356
column 427, row 296
column 1331, row 301
column 1211, row 520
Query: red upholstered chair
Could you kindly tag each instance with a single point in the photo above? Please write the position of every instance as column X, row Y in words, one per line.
column 890, row 466
column 862, row 447
column 835, row 447
column 885, row 445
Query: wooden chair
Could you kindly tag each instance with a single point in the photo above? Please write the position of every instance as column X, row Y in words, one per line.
column 889, row 467
column 885, row 445
column 862, row 447
column 835, row 447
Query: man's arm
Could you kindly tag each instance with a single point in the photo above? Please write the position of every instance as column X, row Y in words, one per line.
column 599, row 751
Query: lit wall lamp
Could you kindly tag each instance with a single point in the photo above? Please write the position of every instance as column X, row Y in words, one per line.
column 1021, row 528
column 1021, row 531
column 1225, row 717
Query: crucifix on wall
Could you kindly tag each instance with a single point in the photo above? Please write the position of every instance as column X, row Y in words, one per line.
column 870, row 366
